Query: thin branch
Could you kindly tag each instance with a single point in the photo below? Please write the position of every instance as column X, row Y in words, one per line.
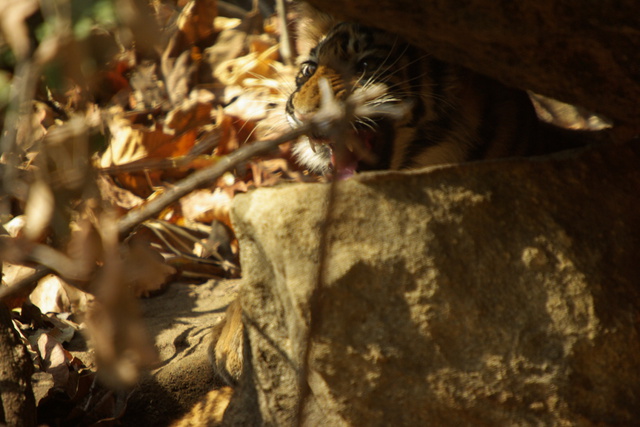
column 198, row 179
column 26, row 285
column 22, row 90
column 286, row 46
column 203, row 177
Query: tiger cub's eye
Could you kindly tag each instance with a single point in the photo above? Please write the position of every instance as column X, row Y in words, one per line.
column 308, row 68
column 362, row 65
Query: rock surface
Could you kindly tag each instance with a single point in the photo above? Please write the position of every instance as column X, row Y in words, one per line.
column 494, row 293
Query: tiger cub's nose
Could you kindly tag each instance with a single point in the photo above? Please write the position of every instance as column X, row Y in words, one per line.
column 303, row 117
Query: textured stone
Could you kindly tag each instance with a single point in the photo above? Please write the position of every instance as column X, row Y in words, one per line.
column 492, row 293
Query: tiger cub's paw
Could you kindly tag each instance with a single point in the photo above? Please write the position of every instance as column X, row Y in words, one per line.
column 209, row 411
column 226, row 347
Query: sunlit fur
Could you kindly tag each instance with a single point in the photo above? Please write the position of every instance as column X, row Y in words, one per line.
column 446, row 113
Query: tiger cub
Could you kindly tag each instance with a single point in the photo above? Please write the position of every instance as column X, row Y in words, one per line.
column 412, row 110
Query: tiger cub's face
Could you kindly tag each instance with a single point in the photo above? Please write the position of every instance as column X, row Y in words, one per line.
column 406, row 109
column 367, row 67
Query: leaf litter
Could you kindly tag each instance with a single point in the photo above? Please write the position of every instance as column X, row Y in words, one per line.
column 107, row 107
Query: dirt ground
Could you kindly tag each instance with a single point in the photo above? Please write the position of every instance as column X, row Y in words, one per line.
column 178, row 321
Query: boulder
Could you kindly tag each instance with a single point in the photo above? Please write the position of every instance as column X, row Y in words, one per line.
column 489, row 293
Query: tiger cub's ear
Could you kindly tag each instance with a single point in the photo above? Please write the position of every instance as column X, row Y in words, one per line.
column 312, row 26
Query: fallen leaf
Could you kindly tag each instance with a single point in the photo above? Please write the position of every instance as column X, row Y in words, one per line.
column 55, row 359
column 116, row 195
column 54, row 295
column 12, row 274
column 15, row 226
column 178, row 74
column 38, row 210
column 206, row 206
column 146, row 271
column 194, row 112
column 196, row 21
column 50, row 295
column 148, row 91
column 236, row 71
column 231, row 43
column 197, row 250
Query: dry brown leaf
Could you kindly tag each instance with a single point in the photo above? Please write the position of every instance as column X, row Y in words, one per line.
column 230, row 44
column 64, row 330
column 129, row 143
column 54, row 295
column 193, row 112
column 206, row 206
column 143, row 144
column 179, row 75
column 114, row 76
column 55, row 359
column 236, row 71
column 233, row 132
column 228, row 136
column 12, row 274
column 146, row 271
column 566, row 115
column 196, row 21
column 222, row 23
column 126, row 143
column 38, row 210
column 116, row 195
column 142, row 184
column 148, row 91
column 50, row 295
column 15, row 226
column 135, row 146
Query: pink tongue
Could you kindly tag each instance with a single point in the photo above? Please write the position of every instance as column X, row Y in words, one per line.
column 344, row 164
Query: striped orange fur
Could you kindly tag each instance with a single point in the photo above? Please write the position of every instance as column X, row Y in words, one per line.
column 424, row 112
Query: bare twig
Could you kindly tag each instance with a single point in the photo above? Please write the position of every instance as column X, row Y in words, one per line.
column 198, row 179
column 22, row 91
column 24, row 286
column 202, row 177
column 286, row 47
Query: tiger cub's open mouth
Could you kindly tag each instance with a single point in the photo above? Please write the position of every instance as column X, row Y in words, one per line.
column 342, row 156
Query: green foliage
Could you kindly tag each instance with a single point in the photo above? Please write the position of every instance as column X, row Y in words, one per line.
column 84, row 15
column 87, row 14
column 81, row 17
column 5, row 89
column 53, row 75
column 7, row 58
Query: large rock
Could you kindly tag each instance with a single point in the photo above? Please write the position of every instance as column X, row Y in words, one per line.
column 497, row 293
